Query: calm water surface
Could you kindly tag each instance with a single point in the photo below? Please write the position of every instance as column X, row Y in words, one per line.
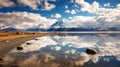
column 67, row 50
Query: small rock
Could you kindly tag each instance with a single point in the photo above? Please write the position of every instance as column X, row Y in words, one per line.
column 7, row 41
column 19, row 48
column 28, row 43
column 36, row 39
column 1, row 59
column 91, row 51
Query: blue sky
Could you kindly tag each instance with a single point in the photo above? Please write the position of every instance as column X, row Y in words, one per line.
column 60, row 8
column 57, row 9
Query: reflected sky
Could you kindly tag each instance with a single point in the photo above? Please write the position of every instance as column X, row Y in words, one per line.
column 68, row 49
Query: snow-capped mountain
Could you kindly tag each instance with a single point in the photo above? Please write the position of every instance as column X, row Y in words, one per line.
column 71, row 25
column 59, row 24
column 65, row 25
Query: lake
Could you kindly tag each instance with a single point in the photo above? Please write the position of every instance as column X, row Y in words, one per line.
column 67, row 50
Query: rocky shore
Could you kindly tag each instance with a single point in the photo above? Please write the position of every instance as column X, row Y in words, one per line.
column 6, row 46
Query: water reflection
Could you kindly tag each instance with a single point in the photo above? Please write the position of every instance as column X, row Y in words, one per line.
column 67, row 51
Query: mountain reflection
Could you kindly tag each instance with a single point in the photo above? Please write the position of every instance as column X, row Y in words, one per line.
column 68, row 51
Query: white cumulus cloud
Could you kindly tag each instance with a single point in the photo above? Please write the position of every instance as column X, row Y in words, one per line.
column 24, row 20
column 6, row 3
column 57, row 15
column 107, row 17
column 31, row 3
column 118, row 6
column 73, row 12
column 107, row 5
column 47, row 6
column 95, row 7
column 70, row 11
column 83, row 21
column 66, row 6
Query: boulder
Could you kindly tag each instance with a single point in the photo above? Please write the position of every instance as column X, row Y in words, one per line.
column 91, row 51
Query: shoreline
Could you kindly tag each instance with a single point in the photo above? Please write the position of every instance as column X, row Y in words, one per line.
column 7, row 45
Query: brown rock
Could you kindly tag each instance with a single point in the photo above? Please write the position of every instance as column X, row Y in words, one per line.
column 36, row 39
column 28, row 43
column 19, row 48
column 1, row 59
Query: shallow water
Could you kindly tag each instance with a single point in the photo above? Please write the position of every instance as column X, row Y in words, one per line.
column 67, row 50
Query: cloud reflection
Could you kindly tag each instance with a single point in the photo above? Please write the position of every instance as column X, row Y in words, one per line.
column 72, row 47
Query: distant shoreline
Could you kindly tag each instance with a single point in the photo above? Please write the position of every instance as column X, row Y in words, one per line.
column 93, row 32
column 79, row 31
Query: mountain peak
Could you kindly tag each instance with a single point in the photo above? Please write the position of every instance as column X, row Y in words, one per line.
column 59, row 24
